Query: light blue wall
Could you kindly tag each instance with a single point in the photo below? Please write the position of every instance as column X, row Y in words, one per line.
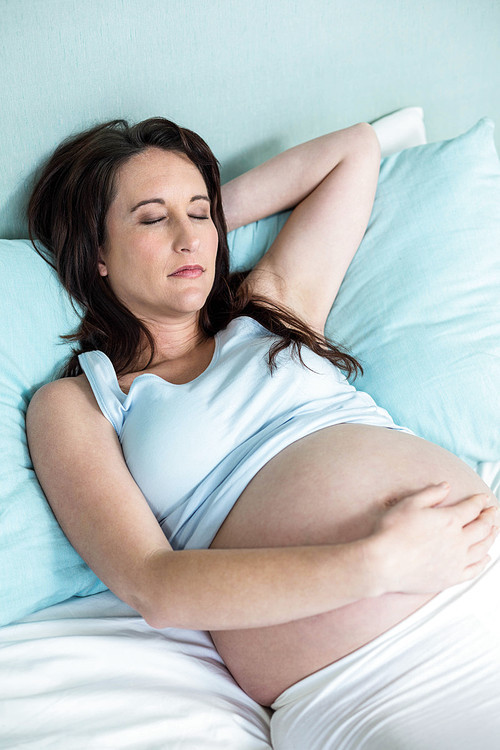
column 253, row 77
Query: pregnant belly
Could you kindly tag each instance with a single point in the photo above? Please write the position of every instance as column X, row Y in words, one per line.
column 329, row 487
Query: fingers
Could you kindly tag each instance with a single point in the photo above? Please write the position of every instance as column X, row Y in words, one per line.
column 480, row 549
column 467, row 511
column 479, row 529
column 473, row 507
column 431, row 495
column 473, row 570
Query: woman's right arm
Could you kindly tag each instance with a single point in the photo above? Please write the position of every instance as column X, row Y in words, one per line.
column 80, row 466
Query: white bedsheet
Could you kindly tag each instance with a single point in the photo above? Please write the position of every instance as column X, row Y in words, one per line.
column 91, row 674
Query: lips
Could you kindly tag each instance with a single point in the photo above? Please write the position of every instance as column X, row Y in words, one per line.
column 188, row 272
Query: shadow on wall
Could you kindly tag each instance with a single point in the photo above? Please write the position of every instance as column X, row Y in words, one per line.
column 250, row 157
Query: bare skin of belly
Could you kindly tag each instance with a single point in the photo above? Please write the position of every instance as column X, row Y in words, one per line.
column 329, row 487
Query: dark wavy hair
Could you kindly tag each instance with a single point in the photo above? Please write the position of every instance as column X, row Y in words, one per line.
column 67, row 225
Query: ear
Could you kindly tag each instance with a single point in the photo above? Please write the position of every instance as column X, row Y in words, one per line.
column 101, row 264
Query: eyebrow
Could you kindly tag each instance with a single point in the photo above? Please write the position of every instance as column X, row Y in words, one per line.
column 162, row 202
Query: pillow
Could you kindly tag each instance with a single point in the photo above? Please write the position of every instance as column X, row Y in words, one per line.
column 420, row 303
column 401, row 129
column 38, row 566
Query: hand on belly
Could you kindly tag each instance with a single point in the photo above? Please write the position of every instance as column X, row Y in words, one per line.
column 329, row 487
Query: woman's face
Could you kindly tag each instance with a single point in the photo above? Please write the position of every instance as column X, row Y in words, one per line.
column 158, row 223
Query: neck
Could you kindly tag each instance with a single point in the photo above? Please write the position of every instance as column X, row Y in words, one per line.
column 174, row 339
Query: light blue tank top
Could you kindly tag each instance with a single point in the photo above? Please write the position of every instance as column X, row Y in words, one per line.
column 193, row 448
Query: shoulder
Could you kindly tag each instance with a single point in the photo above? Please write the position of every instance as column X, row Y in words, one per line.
column 61, row 390
column 65, row 428
column 62, row 398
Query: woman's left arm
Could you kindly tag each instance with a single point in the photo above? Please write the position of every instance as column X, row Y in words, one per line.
column 330, row 182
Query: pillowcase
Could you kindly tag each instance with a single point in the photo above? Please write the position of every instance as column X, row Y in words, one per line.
column 401, row 129
column 420, row 304
column 38, row 566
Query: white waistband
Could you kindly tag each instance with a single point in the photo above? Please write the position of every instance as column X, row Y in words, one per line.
column 475, row 596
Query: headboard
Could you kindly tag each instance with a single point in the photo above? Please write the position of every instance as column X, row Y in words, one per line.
column 252, row 78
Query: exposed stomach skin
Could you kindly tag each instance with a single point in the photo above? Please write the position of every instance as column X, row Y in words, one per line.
column 329, row 487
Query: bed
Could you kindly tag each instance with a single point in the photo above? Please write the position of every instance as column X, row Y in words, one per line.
column 420, row 307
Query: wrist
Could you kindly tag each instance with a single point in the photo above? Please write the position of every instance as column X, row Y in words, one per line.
column 378, row 566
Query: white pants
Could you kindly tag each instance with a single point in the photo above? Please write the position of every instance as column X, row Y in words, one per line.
column 432, row 682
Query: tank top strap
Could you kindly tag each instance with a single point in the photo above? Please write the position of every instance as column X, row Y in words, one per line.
column 102, row 378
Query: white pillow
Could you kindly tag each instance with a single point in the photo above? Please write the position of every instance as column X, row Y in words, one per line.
column 399, row 130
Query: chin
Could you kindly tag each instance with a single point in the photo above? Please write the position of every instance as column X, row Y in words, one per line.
column 192, row 307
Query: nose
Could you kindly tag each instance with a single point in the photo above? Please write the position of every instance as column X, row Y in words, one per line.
column 186, row 239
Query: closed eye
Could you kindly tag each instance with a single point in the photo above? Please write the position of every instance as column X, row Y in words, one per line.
column 156, row 221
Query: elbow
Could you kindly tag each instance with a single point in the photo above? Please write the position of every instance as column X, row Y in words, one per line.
column 154, row 620
column 155, row 594
column 144, row 607
column 368, row 135
column 362, row 143
column 155, row 614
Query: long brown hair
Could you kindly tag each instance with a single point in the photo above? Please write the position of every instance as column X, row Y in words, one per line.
column 67, row 225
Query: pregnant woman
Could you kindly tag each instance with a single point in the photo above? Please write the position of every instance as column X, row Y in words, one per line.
column 206, row 455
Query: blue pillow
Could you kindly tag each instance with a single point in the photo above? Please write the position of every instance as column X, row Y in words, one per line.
column 420, row 303
column 38, row 566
